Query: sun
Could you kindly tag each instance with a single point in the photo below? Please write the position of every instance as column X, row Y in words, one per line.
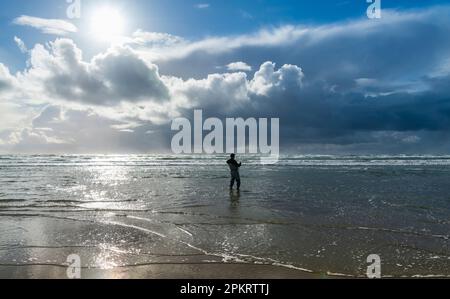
column 107, row 23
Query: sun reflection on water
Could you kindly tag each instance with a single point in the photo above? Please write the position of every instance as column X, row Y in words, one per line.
column 108, row 258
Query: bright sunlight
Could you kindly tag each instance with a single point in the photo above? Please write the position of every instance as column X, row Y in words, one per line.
column 107, row 24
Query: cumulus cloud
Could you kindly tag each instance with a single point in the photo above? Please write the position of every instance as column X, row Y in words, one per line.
column 239, row 66
column 287, row 78
column 218, row 94
column 7, row 81
column 59, row 72
column 48, row 26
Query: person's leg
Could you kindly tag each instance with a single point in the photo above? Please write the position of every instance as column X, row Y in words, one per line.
column 234, row 177
column 232, row 183
column 238, row 179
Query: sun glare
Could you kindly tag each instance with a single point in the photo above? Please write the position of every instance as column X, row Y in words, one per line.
column 107, row 24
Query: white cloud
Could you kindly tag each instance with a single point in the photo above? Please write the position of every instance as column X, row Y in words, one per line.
column 277, row 37
column 14, row 115
column 267, row 79
column 20, row 44
column 58, row 72
column 7, row 81
column 48, row 26
column 119, row 79
column 153, row 39
column 202, row 5
column 36, row 136
column 239, row 66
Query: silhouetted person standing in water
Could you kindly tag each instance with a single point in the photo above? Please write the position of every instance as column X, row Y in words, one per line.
column 234, row 168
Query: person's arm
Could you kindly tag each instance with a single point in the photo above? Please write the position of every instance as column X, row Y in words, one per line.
column 234, row 163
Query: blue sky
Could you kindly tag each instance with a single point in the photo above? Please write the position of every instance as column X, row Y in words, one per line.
column 184, row 18
column 339, row 81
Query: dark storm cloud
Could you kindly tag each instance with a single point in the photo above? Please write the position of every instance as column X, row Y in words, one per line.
column 397, row 47
column 361, row 78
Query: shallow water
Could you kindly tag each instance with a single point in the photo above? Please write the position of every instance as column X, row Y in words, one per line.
column 317, row 213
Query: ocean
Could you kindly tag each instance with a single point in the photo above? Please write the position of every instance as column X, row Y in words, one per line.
column 318, row 214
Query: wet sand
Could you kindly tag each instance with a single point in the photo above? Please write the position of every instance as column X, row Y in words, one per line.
column 163, row 271
column 37, row 247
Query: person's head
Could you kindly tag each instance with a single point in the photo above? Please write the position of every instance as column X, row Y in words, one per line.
column 233, row 156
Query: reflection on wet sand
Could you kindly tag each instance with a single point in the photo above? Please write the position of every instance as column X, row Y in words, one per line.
column 235, row 200
column 235, row 196
column 115, row 251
